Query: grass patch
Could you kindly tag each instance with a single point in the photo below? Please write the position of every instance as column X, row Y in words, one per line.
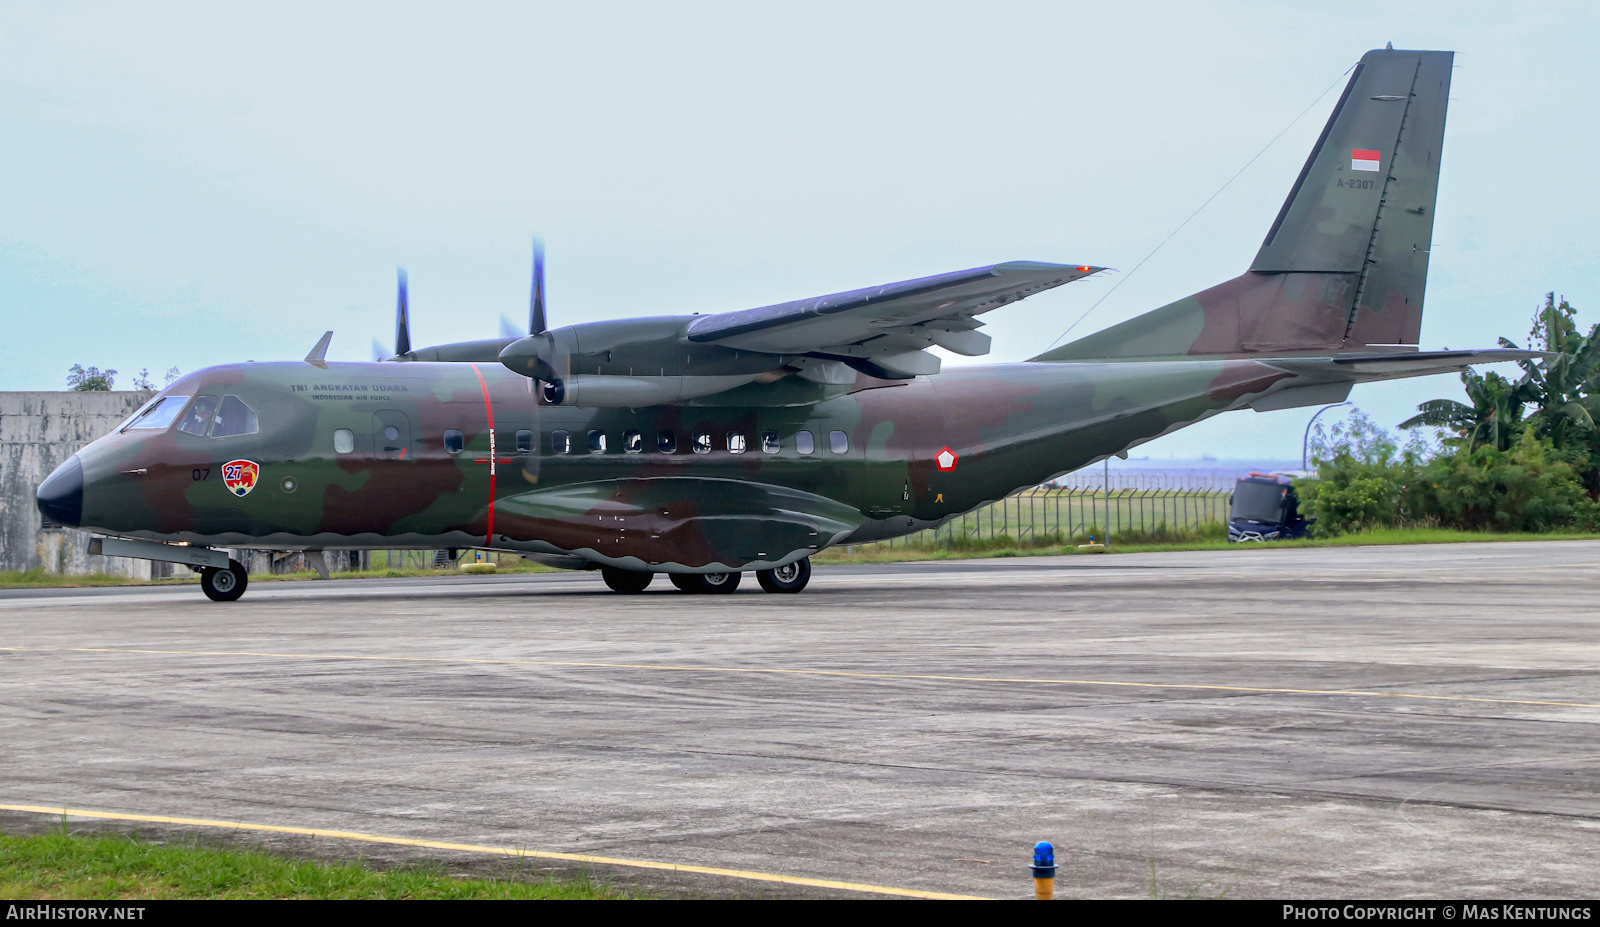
column 65, row 866
column 1129, row 543
column 38, row 578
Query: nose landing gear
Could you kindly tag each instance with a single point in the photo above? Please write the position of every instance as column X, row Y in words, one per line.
column 224, row 585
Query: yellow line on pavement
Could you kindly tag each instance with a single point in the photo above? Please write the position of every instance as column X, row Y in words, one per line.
column 779, row 671
column 496, row 851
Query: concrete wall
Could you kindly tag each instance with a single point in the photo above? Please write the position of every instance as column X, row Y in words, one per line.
column 38, row 431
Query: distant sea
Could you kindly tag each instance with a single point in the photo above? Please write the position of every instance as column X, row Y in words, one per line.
column 1152, row 473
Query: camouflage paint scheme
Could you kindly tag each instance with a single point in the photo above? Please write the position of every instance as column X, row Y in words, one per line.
column 1333, row 298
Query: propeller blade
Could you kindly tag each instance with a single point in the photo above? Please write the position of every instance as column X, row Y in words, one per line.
column 508, row 328
column 402, row 320
column 536, row 321
column 377, row 351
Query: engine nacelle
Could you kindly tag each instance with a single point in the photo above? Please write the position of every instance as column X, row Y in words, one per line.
column 631, row 363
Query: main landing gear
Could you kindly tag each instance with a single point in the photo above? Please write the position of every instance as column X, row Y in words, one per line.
column 224, row 584
column 627, row 582
column 789, row 578
column 702, row 583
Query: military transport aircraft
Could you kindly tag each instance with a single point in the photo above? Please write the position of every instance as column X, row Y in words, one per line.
column 709, row 445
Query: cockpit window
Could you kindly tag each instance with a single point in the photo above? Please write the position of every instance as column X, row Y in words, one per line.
column 149, row 404
column 161, row 414
column 234, row 418
column 198, row 418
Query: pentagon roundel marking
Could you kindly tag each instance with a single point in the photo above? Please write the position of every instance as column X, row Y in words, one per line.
column 240, row 476
column 946, row 459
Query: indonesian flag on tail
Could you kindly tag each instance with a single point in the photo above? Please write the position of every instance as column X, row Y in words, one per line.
column 1364, row 159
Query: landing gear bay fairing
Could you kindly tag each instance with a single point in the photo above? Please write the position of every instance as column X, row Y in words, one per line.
column 706, row 446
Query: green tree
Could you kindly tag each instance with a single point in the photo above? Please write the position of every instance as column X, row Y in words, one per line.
column 1524, row 488
column 1362, row 477
column 1562, row 386
column 89, row 378
column 1367, row 480
column 1558, row 395
column 1493, row 418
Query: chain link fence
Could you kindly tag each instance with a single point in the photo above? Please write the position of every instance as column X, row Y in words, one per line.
column 1136, row 507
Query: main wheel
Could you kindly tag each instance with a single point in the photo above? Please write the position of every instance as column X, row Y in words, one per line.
column 791, row 577
column 226, row 584
column 706, row 582
column 627, row 582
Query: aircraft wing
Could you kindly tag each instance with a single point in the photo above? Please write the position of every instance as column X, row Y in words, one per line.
column 883, row 330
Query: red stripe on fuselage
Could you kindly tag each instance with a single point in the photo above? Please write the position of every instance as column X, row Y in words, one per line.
column 488, row 409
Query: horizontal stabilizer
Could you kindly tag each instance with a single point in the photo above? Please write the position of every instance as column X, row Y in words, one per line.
column 1373, row 366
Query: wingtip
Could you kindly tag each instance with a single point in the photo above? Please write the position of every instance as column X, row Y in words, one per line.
column 1078, row 270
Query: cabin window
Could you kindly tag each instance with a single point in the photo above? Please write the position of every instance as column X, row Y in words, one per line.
column 560, row 442
column 234, row 418
column 804, row 443
column 344, row 440
column 453, row 441
column 770, row 443
column 524, row 442
column 161, row 414
column 839, row 442
column 702, row 442
column 198, row 418
column 666, row 442
column 735, row 442
column 597, row 442
column 632, row 442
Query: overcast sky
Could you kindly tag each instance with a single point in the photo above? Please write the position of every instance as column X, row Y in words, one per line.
column 186, row 185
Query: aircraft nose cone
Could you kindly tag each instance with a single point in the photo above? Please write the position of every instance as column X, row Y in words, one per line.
column 60, row 496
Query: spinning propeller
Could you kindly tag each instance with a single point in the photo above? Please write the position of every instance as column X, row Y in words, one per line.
column 402, row 328
column 538, row 356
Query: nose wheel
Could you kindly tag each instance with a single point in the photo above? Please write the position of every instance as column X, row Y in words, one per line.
column 224, row 584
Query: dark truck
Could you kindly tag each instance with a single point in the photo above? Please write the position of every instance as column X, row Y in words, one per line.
column 1265, row 508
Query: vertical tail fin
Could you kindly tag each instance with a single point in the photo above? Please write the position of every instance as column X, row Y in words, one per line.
column 1345, row 262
